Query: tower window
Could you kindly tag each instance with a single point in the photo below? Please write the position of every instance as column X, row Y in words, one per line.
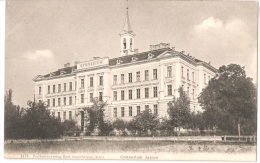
column 131, row 43
column 124, row 43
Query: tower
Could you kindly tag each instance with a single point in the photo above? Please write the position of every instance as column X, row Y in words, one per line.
column 127, row 38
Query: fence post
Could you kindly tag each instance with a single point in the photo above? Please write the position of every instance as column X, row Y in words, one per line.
column 214, row 138
column 254, row 138
column 225, row 138
column 250, row 138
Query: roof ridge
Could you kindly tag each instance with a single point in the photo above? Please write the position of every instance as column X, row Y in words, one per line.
column 140, row 53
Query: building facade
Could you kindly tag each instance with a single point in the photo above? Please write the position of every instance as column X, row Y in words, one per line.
column 128, row 83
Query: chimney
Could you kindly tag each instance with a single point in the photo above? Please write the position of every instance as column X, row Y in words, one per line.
column 66, row 65
column 135, row 51
column 173, row 48
column 183, row 52
column 96, row 58
column 76, row 62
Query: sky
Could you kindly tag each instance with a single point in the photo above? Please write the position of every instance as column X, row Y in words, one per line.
column 42, row 35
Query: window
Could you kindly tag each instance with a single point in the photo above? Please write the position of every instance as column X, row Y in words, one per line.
column 64, row 115
column 155, row 94
column 70, row 88
column 75, row 99
column 91, row 97
column 130, row 94
column 115, row 79
column 188, row 75
column 130, row 111
column 193, row 93
column 188, row 91
column 82, row 98
column 48, row 102
column 130, row 77
column 192, row 76
column 53, row 90
column 205, row 78
column 181, row 71
column 138, row 110
column 82, row 83
column 75, row 85
column 70, row 115
column 58, row 115
column 100, row 80
column 59, row 88
column 40, row 90
column 40, row 101
column 146, row 92
column 64, row 101
column 169, row 71
column 146, row 106
column 122, row 111
column 115, row 112
column 138, row 93
column 122, row 78
column 146, row 72
column 91, row 82
column 65, row 87
column 49, row 89
column 138, row 76
column 100, row 96
column 155, row 109
column 208, row 78
column 58, row 101
column 115, row 95
column 53, row 102
column 154, row 73
column 124, row 43
column 122, row 95
column 131, row 42
column 169, row 90
column 70, row 100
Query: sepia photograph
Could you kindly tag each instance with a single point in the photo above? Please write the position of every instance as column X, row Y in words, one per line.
column 148, row 80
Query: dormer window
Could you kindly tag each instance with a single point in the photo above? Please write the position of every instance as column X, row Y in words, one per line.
column 134, row 59
column 62, row 72
column 150, row 55
column 118, row 62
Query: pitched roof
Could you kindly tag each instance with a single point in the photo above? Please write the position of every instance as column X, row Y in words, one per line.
column 139, row 56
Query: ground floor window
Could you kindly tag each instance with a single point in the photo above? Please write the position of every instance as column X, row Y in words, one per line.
column 115, row 112
column 122, row 111
column 130, row 111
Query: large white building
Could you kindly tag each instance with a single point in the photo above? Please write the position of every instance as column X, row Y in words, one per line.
column 129, row 83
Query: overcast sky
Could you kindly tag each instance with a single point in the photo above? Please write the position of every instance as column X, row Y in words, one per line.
column 42, row 35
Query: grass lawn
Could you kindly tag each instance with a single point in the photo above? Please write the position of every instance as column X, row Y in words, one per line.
column 141, row 146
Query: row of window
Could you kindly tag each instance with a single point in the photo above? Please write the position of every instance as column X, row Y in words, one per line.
column 59, row 88
column 64, row 102
column 91, row 82
column 188, row 74
column 138, row 93
column 64, row 115
column 130, row 110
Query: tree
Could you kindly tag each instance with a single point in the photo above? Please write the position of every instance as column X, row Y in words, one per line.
column 12, row 118
column 120, row 125
column 179, row 110
column 230, row 101
column 95, row 118
column 39, row 123
column 70, row 127
column 145, row 121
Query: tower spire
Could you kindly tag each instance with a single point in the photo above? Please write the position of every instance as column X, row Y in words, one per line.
column 127, row 37
column 127, row 26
